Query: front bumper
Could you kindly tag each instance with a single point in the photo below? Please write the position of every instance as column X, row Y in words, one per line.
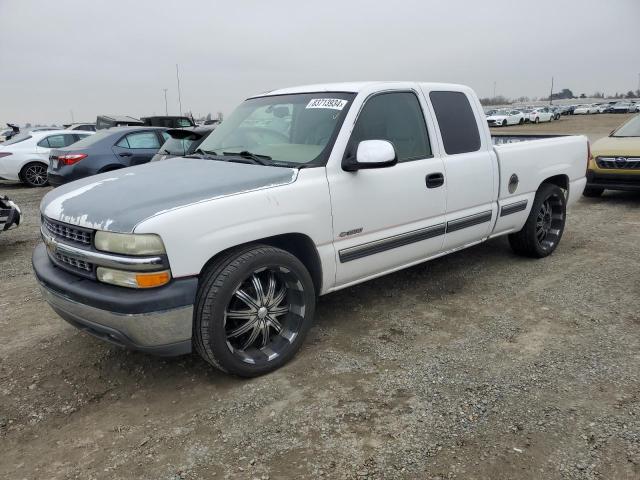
column 613, row 181
column 157, row 321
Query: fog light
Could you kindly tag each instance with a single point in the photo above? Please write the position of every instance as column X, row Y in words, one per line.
column 133, row 279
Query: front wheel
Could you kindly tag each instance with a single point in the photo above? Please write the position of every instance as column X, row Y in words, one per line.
column 544, row 227
column 504, row 123
column 34, row 174
column 253, row 310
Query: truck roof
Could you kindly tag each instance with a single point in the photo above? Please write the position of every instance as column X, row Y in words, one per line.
column 356, row 87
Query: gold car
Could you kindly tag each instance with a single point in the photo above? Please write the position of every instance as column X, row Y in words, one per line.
column 615, row 161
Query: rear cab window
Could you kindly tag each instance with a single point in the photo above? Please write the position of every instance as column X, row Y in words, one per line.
column 457, row 122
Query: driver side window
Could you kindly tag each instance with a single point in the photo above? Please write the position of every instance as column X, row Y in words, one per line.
column 398, row 118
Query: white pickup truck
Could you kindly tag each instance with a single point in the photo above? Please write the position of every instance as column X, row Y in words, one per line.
column 299, row 193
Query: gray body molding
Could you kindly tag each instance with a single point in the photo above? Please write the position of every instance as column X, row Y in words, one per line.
column 117, row 201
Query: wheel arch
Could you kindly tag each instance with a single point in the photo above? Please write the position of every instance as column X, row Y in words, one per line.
column 561, row 181
column 298, row 244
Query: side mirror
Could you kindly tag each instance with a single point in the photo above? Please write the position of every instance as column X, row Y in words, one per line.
column 371, row 154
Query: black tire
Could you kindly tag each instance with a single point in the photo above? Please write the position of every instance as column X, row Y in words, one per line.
column 592, row 192
column 543, row 229
column 504, row 123
column 219, row 302
column 521, row 121
column 537, row 120
column 34, row 174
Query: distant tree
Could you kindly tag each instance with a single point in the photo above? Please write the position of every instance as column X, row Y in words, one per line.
column 27, row 125
column 582, row 95
column 630, row 94
column 564, row 93
column 208, row 116
column 597, row 95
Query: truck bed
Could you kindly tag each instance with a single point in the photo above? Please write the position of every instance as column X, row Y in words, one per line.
column 501, row 139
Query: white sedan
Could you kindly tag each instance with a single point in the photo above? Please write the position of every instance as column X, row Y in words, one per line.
column 502, row 118
column 585, row 109
column 25, row 158
column 541, row 114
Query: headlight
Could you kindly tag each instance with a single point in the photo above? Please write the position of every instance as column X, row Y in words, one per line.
column 133, row 279
column 129, row 244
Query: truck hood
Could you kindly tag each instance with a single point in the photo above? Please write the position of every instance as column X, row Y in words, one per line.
column 117, row 201
column 617, row 146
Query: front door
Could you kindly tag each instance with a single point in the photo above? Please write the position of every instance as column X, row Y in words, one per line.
column 387, row 218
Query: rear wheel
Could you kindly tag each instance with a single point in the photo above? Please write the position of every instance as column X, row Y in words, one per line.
column 34, row 174
column 544, row 227
column 521, row 121
column 593, row 191
column 253, row 310
column 537, row 120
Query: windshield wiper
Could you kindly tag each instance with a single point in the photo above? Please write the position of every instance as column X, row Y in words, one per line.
column 257, row 159
column 207, row 154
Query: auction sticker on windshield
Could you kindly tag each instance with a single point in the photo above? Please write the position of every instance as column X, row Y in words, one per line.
column 334, row 103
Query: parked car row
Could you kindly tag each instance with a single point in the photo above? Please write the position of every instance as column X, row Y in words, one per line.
column 504, row 117
column 44, row 156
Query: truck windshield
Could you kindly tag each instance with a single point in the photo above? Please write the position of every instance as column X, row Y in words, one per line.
column 293, row 130
column 629, row 129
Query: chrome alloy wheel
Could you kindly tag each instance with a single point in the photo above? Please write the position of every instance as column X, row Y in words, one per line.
column 549, row 222
column 36, row 174
column 264, row 315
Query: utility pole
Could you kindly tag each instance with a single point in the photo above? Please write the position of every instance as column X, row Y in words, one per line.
column 551, row 94
column 166, row 109
column 494, row 89
column 179, row 97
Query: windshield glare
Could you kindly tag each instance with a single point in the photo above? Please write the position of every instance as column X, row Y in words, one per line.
column 295, row 129
column 629, row 129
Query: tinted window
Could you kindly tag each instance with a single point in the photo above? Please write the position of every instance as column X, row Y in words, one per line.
column 57, row 141
column 88, row 128
column 396, row 117
column 140, row 140
column 457, row 123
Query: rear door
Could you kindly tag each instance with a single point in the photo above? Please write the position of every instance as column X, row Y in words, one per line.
column 138, row 147
column 386, row 218
column 470, row 168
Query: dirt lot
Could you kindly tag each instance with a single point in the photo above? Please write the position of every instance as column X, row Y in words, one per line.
column 480, row 365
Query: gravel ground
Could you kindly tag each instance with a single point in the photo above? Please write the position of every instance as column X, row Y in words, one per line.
column 479, row 365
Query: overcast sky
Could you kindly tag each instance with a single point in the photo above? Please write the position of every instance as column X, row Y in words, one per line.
column 114, row 56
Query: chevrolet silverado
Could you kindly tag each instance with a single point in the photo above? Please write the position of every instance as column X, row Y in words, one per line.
column 299, row 193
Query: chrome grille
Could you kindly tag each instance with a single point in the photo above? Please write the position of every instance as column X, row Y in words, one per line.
column 74, row 262
column 619, row 163
column 68, row 232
